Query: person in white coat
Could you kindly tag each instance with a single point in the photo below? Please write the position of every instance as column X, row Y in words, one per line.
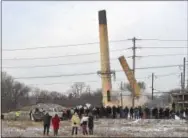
column 84, row 122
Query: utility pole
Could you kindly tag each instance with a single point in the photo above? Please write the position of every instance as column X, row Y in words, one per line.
column 134, row 63
column 184, row 74
column 152, row 85
column 121, row 94
column 183, row 79
column 89, row 90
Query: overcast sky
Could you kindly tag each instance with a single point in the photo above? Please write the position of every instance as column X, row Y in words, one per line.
column 39, row 24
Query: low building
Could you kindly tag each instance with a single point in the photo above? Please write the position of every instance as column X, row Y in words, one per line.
column 180, row 99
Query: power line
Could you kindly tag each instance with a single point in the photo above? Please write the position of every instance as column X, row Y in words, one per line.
column 62, row 83
column 56, row 76
column 70, row 45
column 86, row 62
column 166, row 75
column 162, row 55
column 119, row 80
column 83, row 44
column 164, row 40
column 91, row 73
column 161, row 47
column 81, row 54
column 85, row 54
column 151, row 67
column 65, row 64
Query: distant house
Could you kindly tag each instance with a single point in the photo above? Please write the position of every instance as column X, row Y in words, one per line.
column 180, row 99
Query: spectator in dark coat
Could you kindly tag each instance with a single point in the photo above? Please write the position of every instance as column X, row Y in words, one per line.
column 136, row 113
column 98, row 112
column 147, row 110
column 161, row 113
column 94, row 112
column 126, row 111
column 46, row 122
column 108, row 111
column 181, row 113
column 101, row 112
column 114, row 111
column 121, row 112
column 155, row 111
column 118, row 110
column 81, row 111
column 90, row 124
column 186, row 112
column 140, row 112
column 145, row 113
column 68, row 114
column 131, row 113
column 173, row 106
column 167, row 113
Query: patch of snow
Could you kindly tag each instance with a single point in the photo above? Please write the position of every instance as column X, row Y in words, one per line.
column 176, row 117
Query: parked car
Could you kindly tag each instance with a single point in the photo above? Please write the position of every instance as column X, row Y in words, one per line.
column 53, row 111
column 37, row 114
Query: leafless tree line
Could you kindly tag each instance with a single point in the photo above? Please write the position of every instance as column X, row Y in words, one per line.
column 15, row 95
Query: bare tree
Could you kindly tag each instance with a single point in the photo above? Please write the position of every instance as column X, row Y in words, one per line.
column 88, row 89
column 70, row 96
column 6, row 89
column 18, row 92
column 78, row 88
column 13, row 93
column 16, row 95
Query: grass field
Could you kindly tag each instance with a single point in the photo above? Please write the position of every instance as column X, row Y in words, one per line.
column 103, row 127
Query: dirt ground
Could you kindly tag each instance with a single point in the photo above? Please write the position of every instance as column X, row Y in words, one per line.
column 103, row 127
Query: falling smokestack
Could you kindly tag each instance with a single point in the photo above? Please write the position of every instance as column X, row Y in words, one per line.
column 104, row 54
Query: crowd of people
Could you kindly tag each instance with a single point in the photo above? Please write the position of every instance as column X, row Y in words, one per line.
column 127, row 113
column 84, row 117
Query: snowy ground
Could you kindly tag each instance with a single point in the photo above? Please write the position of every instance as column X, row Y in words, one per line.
column 104, row 127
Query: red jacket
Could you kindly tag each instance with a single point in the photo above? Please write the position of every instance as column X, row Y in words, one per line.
column 55, row 122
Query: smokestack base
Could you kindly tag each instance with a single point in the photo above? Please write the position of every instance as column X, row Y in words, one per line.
column 102, row 17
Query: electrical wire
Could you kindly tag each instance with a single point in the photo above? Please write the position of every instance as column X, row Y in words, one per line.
column 166, row 75
column 69, row 45
column 81, row 63
column 119, row 80
column 81, row 54
column 161, row 55
column 160, row 47
column 65, row 64
column 163, row 40
column 151, row 67
column 83, row 44
column 56, row 76
column 90, row 73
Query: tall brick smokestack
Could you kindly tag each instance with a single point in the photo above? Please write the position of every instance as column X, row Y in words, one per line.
column 104, row 54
